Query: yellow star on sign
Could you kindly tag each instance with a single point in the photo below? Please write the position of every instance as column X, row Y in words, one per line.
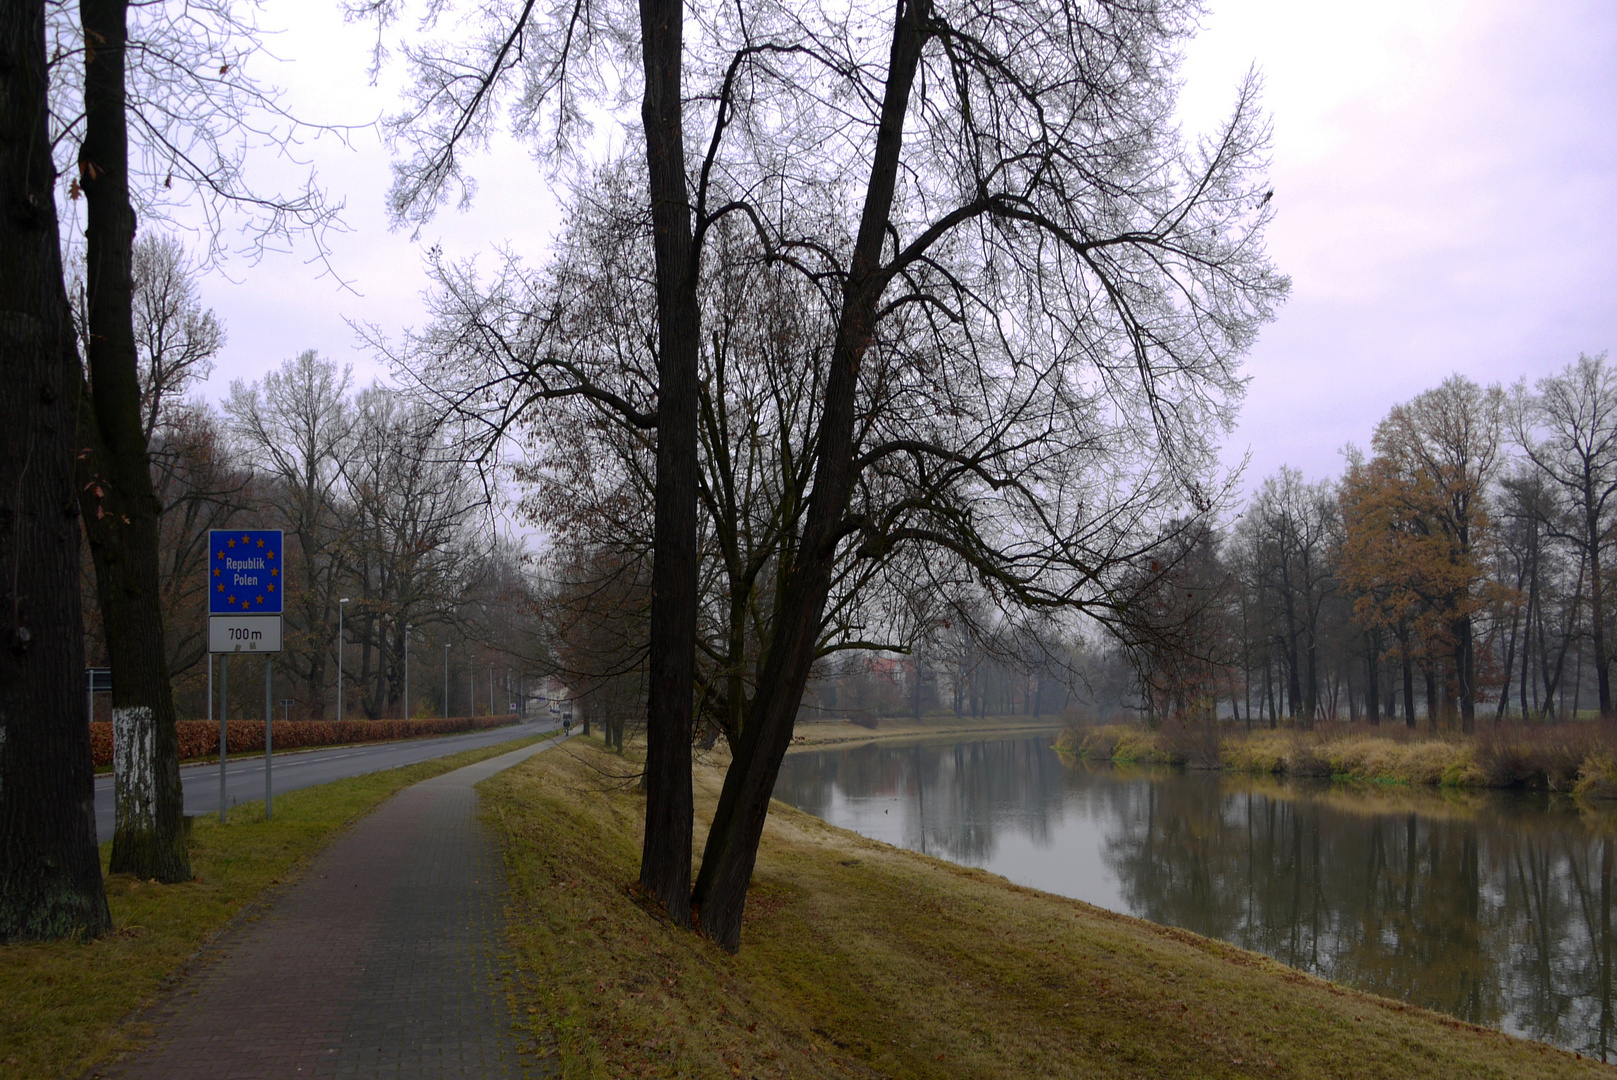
column 272, row 588
column 221, row 588
column 260, row 599
column 216, row 571
column 228, row 543
column 261, row 543
column 232, row 599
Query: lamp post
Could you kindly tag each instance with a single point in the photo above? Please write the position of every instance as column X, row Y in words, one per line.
column 340, row 651
column 446, row 679
column 407, row 671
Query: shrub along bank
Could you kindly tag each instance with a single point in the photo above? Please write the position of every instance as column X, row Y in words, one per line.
column 863, row 960
column 1579, row 757
column 200, row 738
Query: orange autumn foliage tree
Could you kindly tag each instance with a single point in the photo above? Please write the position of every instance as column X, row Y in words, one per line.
column 1416, row 527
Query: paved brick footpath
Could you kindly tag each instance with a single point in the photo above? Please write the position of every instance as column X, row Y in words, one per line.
column 382, row 960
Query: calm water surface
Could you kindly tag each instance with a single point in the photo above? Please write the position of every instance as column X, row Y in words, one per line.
column 1494, row 908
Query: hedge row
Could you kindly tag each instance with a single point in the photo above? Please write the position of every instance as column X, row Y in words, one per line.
column 200, row 738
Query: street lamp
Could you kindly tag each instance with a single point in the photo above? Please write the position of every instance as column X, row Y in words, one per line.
column 446, row 679
column 340, row 650
column 407, row 671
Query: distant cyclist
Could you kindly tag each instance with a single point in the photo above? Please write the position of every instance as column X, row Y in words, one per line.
column 567, row 726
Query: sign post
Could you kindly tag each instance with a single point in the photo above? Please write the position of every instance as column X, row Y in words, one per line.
column 244, row 615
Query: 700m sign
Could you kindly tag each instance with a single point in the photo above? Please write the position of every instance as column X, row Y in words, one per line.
column 244, row 633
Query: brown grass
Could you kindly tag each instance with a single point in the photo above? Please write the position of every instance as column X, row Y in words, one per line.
column 1578, row 757
column 862, row 960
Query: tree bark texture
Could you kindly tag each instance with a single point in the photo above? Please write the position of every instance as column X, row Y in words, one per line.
column 1597, row 595
column 732, row 844
column 50, row 868
column 665, row 863
column 120, row 507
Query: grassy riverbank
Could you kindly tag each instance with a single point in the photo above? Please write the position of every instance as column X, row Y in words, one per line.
column 1578, row 758
column 862, row 960
column 69, row 1004
column 846, row 733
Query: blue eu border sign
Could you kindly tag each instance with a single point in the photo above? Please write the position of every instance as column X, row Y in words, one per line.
column 244, row 590
column 244, row 571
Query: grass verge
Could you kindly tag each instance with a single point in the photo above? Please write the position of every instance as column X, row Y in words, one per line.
column 863, row 960
column 70, row 1004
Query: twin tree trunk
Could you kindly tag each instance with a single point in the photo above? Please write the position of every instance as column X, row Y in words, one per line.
column 50, row 869
column 120, row 507
column 732, row 843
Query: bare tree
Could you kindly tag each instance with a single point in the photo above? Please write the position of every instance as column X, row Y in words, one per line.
column 119, row 504
column 193, row 123
column 1011, row 201
column 50, row 872
column 409, row 546
column 1038, row 277
column 295, row 430
column 195, row 114
column 1568, row 430
column 175, row 338
column 1290, row 529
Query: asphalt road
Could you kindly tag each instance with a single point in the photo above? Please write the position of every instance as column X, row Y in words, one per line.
column 244, row 777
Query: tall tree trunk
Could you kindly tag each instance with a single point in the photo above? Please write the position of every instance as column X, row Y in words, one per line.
column 665, row 860
column 1508, row 666
column 1372, row 693
column 1465, row 674
column 1311, row 700
column 1597, row 602
column 119, row 504
column 50, row 868
column 1409, row 677
column 732, row 844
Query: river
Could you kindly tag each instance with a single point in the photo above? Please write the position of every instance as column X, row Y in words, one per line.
column 1495, row 908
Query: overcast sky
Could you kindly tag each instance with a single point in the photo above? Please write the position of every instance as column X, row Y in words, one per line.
column 1445, row 179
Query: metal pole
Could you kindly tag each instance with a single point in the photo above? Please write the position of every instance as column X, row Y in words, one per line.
column 407, row 671
column 224, row 742
column 446, row 680
column 471, row 686
column 224, row 711
column 340, row 651
column 491, row 689
column 269, row 741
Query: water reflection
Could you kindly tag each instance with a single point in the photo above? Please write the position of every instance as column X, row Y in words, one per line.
column 1496, row 909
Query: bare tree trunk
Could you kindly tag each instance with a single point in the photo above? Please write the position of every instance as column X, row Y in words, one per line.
column 1372, row 693
column 119, row 504
column 1597, row 602
column 1465, row 674
column 1409, row 677
column 50, row 869
column 732, row 845
column 665, row 860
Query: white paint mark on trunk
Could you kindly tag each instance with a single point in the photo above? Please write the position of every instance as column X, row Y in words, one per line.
column 134, row 759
